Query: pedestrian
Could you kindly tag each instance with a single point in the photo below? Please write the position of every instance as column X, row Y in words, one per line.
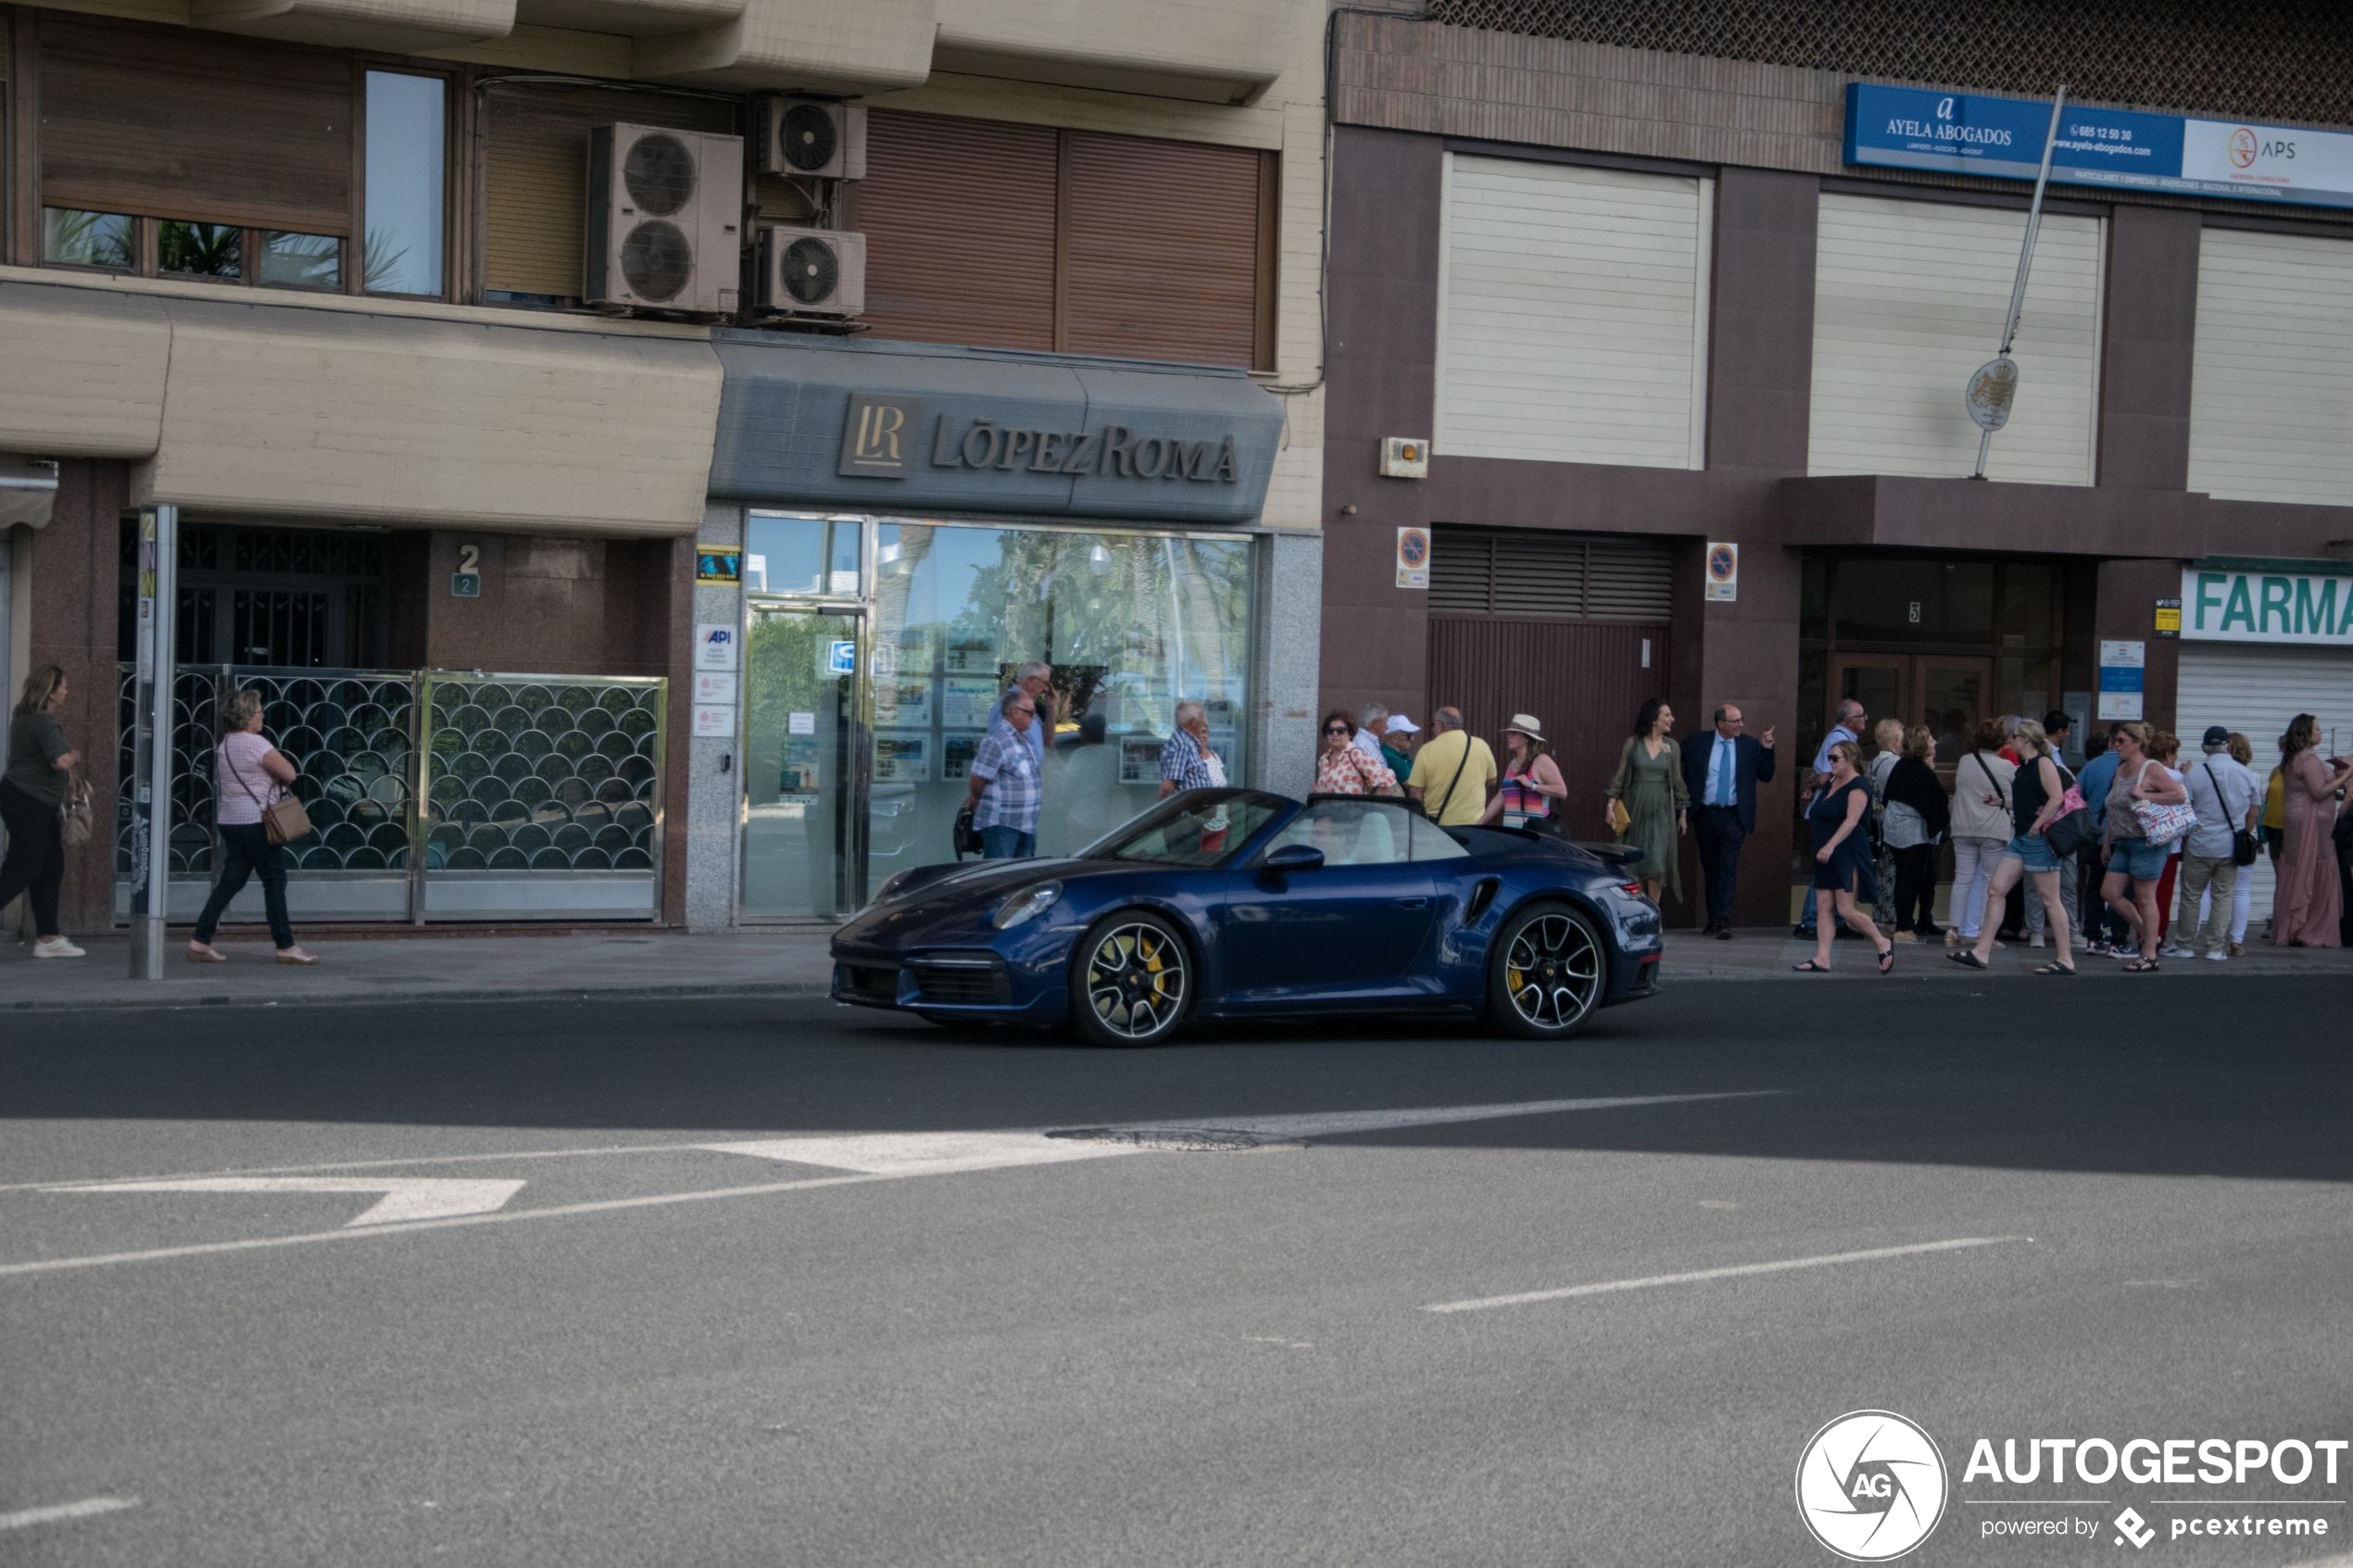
column 2275, row 809
column 2055, row 725
column 1372, row 727
column 1187, row 759
column 2224, row 794
column 2135, row 865
column 2241, row 751
column 1841, row 857
column 32, row 799
column 1531, row 779
column 1722, row 766
column 2010, row 753
column 2109, row 931
column 1004, row 792
column 1035, row 679
column 1452, row 773
column 1650, row 791
column 249, row 775
column 1982, row 823
column 2166, row 746
column 1847, row 726
column 2038, row 798
column 1912, row 824
column 1887, row 743
column 2308, row 901
column 1341, row 767
column 1397, row 744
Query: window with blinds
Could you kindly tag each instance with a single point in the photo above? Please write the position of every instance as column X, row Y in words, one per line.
column 1023, row 236
column 535, row 176
column 1534, row 574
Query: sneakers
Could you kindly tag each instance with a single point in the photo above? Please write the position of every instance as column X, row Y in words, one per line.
column 2218, row 956
column 2174, row 950
column 2035, row 941
column 57, row 947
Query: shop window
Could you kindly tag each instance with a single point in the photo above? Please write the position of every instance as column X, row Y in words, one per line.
column 791, row 554
column 72, row 237
column 1023, row 236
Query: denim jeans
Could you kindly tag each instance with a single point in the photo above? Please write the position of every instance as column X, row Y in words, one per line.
column 1000, row 843
column 244, row 850
column 2037, row 922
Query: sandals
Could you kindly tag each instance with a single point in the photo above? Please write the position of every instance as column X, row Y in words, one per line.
column 1810, row 967
column 2056, row 969
column 205, row 955
column 1968, row 959
column 1887, row 958
column 2141, row 966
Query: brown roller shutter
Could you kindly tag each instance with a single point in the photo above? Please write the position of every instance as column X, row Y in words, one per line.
column 536, row 175
column 167, row 123
column 1161, row 244
column 1542, row 574
column 958, row 219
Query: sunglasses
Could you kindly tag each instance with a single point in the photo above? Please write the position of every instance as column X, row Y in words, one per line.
column 1335, row 730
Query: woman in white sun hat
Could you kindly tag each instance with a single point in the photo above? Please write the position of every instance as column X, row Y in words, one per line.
column 1531, row 780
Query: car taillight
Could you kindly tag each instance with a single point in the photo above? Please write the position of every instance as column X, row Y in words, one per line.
column 1631, row 889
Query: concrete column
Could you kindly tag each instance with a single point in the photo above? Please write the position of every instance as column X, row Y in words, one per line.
column 2126, row 609
column 1285, row 654
column 714, row 785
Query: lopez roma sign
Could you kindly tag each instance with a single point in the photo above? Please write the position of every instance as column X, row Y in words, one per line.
column 2224, row 604
column 884, row 437
column 1968, row 133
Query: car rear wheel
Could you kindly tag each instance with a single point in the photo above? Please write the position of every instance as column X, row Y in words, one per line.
column 1548, row 973
column 1131, row 981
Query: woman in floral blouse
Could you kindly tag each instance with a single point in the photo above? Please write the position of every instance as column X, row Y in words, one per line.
column 1343, row 769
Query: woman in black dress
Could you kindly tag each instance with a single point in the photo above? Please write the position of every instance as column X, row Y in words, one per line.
column 1843, row 858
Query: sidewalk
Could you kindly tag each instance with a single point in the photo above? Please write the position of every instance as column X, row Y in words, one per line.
column 794, row 963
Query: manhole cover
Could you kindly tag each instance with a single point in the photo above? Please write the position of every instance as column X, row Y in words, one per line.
column 1183, row 1140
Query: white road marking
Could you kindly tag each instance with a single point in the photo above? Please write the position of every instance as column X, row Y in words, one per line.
column 917, row 1154
column 404, row 1197
column 56, row 1511
column 495, row 1158
column 895, row 1156
column 1697, row 1276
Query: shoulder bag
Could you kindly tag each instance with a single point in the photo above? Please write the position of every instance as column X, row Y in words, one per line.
column 283, row 818
column 2161, row 824
column 2243, row 846
column 1437, row 812
column 73, row 814
column 2071, row 830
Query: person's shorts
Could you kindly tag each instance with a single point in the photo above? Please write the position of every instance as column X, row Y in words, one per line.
column 2034, row 851
column 2137, row 859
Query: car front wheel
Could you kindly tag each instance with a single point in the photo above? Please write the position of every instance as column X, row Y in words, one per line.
column 1547, row 973
column 1131, row 981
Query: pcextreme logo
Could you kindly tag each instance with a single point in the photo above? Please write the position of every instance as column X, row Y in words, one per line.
column 1872, row 1485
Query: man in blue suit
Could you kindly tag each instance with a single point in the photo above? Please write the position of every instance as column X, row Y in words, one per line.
column 1722, row 768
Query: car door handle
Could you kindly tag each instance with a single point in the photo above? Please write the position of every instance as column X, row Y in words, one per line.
column 1413, row 903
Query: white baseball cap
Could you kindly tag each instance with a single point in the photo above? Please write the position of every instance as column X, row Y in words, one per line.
column 1400, row 726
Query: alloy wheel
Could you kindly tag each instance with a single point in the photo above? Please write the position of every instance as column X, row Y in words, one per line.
column 1552, row 972
column 1135, row 981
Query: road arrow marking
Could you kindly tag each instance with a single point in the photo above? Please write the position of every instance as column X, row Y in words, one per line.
column 404, row 1197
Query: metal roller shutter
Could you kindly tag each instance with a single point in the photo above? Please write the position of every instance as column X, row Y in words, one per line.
column 1161, row 249
column 1909, row 298
column 1541, row 575
column 2256, row 690
column 1572, row 314
column 959, row 216
column 536, row 175
column 2271, row 387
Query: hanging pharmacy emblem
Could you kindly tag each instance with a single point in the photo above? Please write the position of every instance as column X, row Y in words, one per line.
column 1991, row 393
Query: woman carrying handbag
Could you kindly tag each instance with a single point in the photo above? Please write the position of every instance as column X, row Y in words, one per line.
column 255, row 815
column 37, row 799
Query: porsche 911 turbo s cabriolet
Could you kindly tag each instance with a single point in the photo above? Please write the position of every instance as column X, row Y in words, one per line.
column 1236, row 903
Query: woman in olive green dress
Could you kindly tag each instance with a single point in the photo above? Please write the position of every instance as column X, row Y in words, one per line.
column 1650, row 786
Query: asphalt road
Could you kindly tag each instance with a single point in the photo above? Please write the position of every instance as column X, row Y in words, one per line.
column 911, row 1345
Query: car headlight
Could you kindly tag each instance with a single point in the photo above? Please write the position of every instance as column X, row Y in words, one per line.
column 1025, row 904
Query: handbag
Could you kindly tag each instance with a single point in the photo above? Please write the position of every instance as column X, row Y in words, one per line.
column 283, row 818
column 2071, row 829
column 2243, row 846
column 2162, row 824
column 1618, row 817
column 73, row 814
column 965, row 837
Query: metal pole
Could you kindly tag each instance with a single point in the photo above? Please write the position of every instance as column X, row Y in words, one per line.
column 2025, row 257
column 151, row 773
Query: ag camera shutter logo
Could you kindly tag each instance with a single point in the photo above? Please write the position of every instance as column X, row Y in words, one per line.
column 1871, row 1485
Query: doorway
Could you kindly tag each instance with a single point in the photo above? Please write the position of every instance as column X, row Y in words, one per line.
column 1948, row 692
column 804, row 765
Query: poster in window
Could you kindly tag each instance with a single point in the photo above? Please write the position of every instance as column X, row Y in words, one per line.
column 956, row 754
column 902, row 757
column 972, row 655
column 1140, row 759
column 967, row 702
column 904, row 703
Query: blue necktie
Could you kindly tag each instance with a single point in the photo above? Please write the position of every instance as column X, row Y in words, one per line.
column 1724, row 775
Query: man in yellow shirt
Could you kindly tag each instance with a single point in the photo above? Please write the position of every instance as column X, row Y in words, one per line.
column 1452, row 773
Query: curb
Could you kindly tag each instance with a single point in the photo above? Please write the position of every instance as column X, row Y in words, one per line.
column 781, row 990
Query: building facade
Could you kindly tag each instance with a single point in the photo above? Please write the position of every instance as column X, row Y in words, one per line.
column 468, row 467
column 1686, row 316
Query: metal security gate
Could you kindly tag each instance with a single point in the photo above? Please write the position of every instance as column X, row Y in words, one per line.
column 433, row 794
column 1572, row 628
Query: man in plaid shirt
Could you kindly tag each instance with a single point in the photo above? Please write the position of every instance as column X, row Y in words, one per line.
column 1006, row 786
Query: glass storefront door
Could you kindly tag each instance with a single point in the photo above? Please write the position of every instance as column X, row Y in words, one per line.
column 804, row 755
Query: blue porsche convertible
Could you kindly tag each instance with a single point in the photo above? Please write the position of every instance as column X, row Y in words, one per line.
column 1234, row 903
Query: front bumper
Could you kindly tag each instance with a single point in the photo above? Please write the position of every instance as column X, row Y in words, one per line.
column 1022, row 986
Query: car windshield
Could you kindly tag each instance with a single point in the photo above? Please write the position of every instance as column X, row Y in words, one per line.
column 1198, row 827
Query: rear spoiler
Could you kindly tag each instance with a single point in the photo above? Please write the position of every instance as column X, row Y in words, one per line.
column 1612, row 853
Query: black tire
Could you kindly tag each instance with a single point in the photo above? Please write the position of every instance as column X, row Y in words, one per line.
column 1547, row 973
column 1131, row 981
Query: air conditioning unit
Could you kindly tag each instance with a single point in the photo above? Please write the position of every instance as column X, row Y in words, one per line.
column 812, row 272
column 665, row 215
column 811, row 138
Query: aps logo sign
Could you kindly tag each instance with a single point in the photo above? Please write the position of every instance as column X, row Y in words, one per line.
column 1871, row 1485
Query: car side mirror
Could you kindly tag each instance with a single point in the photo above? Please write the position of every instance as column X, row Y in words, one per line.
column 1292, row 857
